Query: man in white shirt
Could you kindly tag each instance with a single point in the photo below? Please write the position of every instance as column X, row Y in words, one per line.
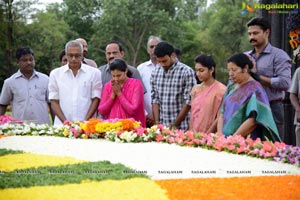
column 75, row 88
column 145, row 70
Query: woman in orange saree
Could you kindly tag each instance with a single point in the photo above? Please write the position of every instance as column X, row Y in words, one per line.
column 206, row 96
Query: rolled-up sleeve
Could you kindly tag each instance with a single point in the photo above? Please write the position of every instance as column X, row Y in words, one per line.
column 190, row 81
column 96, row 84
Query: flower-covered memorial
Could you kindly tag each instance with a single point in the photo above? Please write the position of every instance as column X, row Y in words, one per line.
column 129, row 130
column 119, row 159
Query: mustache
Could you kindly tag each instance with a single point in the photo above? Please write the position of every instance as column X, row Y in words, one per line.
column 253, row 40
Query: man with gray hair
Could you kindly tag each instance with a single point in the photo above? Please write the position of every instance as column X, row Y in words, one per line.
column 145, row 70
column 86, row 60
column 75, row 88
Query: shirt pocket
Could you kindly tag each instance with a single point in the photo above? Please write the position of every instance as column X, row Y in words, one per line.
column 85, row 89
column 40, row 93
column 266, row 70
column 20, row 94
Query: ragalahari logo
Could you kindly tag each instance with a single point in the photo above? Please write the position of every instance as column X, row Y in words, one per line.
column 246, row 9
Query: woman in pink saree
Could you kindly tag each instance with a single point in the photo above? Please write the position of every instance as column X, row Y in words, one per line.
column 206, row 96
column 122, row 97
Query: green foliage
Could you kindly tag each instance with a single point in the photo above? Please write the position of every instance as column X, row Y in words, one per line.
column 80, row 15
column 219, row 30
column 66, row 174
column 50, row 31
column 130, row 22
column 4, row 152
column 223, row 33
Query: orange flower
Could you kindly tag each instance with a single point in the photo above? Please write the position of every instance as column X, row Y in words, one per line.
column 90, row 125
column 127, row 124
column 262, row 187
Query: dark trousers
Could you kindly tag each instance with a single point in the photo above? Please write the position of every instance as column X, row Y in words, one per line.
column 277, row 111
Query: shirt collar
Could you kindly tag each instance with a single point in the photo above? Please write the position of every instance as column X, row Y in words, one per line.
column 172, row 67
column 266, row 50
column 19, row 74
column 83, row 67
column 107, row 67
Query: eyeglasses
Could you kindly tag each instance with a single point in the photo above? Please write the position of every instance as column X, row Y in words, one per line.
column 76, row 56
column 152, row 46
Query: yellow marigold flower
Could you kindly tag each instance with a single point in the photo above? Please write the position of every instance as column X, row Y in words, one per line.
column 136, row 124
column 83, row 126
column 66, row 132
column 27, row 160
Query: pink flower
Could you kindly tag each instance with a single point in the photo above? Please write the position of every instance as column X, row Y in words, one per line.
column 140, row 131
column 231, row 147
column 159, row 138
column 160, row 127
column 67, row 122
column 218, row 146
column 120, row 133
column 267, row 146
column 202, row 141
column 74, row 131
column 190, row 135
column 196, row 141
column 171, row 140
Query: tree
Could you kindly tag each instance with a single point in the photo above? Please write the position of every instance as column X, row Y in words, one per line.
column 130, row 22
column 223, row 32
column 47, row 36
column 14, row 14
column 81, row 14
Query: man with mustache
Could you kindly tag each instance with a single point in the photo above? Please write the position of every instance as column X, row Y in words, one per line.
column 114, row 50
column 273, row 67
column 26, row 90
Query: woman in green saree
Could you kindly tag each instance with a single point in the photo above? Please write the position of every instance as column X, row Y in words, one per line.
column 245, row 109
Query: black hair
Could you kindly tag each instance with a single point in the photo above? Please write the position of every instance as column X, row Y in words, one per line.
column 163, row 48
column 116, row 42
column 23, row 51
column 242, row 60
column 119, row 64
column 206, row 61
column 177, row 52
column 263, row 23
column 62, row 54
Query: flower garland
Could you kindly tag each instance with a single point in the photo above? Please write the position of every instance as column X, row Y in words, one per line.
column 7, row 118
column 129, row 130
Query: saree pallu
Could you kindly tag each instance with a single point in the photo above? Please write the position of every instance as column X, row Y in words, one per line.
column 238, row 105
column 205, row 106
